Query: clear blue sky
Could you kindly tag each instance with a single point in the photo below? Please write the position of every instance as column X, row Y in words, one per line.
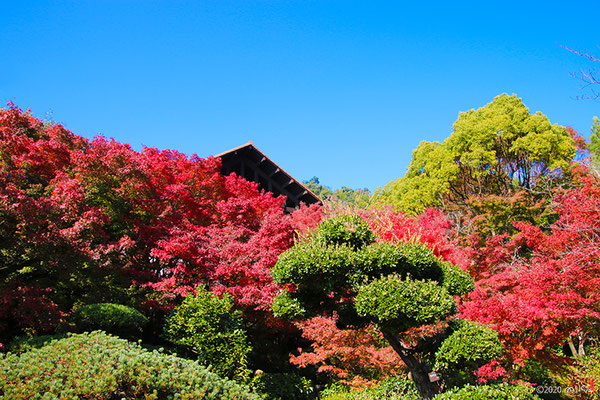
column 339, row 89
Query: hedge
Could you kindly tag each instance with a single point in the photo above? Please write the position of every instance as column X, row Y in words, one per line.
column 103, row 367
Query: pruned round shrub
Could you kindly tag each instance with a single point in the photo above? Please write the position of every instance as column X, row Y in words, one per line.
column 313, row 264
column 209, row 326
column 284, row 306
column 401, row 304
column 280, row 386
column 103, row 367
column 502, row 391
column 349, row 230
column 113, row 318
column 455, row 280
column 406, row 259
column 469, row 347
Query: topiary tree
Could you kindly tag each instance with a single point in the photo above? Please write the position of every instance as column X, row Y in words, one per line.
column 468, row 348
column 209, row 326
column 342, row 270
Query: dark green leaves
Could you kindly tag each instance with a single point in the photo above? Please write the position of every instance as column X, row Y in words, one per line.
column 208, row 325
column 401, row 304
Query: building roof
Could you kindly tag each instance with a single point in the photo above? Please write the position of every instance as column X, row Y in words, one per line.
column 252, row 164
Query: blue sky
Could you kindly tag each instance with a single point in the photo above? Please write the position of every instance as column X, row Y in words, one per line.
column 343, row 90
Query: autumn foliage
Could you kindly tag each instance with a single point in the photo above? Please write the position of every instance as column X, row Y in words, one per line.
column 544, row 289
column 93, row 221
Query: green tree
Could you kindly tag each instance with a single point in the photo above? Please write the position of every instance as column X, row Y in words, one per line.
column 213, row 330
column 498, row 149
column 342, row 270
column 345, row 195
column 314, row 185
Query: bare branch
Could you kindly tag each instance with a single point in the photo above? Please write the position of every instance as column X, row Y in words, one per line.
column 589, row 76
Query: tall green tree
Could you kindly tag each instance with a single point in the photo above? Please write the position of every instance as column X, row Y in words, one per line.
column 498, row 149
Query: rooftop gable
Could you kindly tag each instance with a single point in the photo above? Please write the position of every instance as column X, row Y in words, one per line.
column 253, row 165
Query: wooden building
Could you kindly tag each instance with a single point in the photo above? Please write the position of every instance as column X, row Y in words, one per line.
column 252, row 164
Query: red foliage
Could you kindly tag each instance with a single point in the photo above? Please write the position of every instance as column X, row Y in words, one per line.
column 432, row 229
column 307, row 218
column 548, row 290
column 94, row 219
column 356, row 356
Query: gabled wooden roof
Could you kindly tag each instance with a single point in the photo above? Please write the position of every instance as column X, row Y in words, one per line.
column 252, row 164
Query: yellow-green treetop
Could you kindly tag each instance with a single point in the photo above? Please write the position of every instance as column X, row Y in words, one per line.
column 496, row 149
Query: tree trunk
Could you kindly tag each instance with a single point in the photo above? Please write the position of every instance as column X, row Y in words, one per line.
column 581, row 343
column 572, row 347
column 419, row 375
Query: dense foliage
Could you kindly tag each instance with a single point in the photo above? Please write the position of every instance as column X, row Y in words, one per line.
column 87, row 222
column 490, row 392
column 117, row 319
column 468, row 348
column 543, row 293
column 214, row 332
column 357, row 357
column 282, row 386
column 395, row 388
column 99, row 366
column 494, row 150
column 487, row 276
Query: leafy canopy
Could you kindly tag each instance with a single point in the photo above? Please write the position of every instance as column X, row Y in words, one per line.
column 215, row 332
column 495, row 149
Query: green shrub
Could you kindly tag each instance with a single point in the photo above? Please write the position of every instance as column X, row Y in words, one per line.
column 396, row 388
column 278, row 386
column 349, row 230
column 455, row 280
column 284, row 306
column 103, row 367
column 117, row 319
column 315, row 266
column 214, row 331
column 401, row 304
column 501, row 391
column 406, row 259
column 469, row 347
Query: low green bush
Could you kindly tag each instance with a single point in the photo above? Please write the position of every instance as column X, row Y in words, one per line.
column 209, row 326
column 280, row 386
column 113, row 318
column 502, row 391
column 103, row 367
